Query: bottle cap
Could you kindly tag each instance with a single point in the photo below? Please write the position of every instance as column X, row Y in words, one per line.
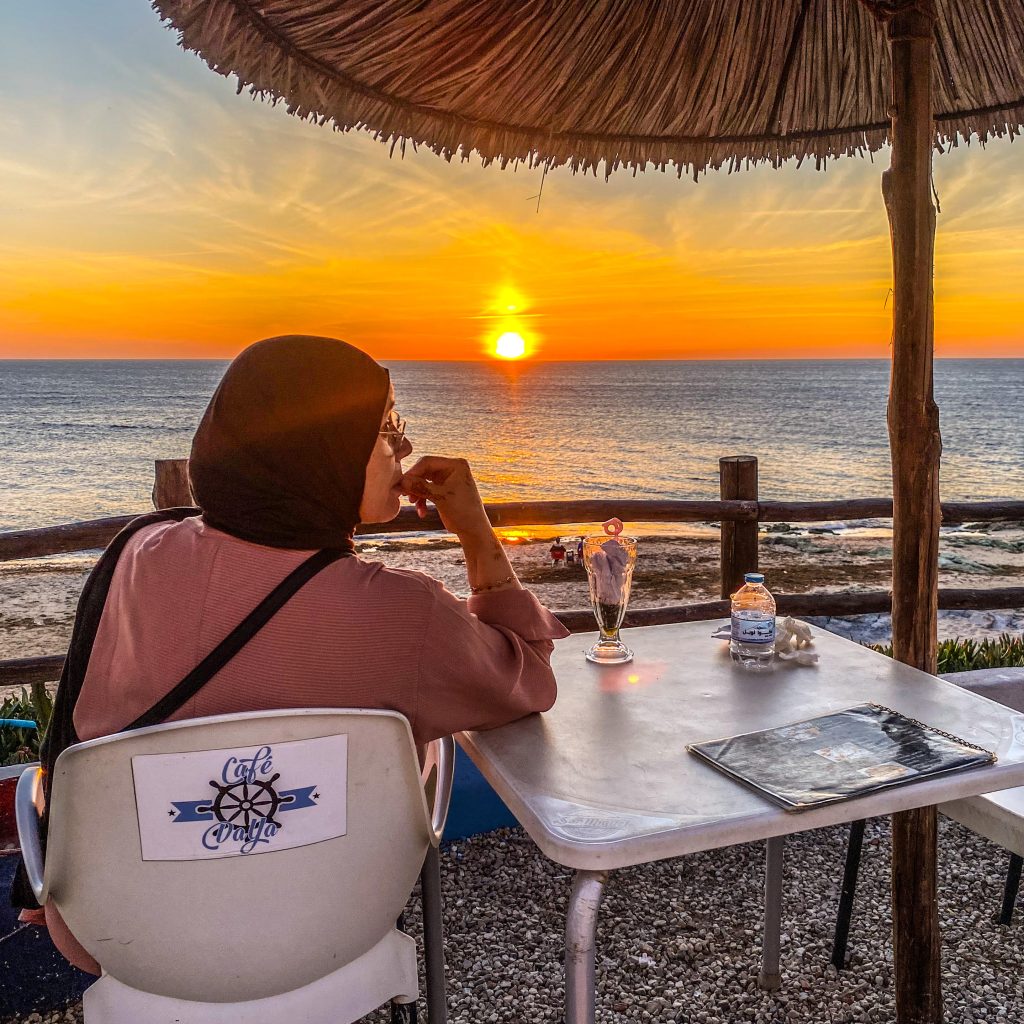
column 754, row 577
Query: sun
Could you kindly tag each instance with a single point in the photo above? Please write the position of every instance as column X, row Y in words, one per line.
column 510, row 346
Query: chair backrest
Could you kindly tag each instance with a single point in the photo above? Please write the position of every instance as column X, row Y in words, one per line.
column 237, row 857
column 1003, row 685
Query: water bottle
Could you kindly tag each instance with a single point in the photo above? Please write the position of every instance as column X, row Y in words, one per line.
column 753, row 625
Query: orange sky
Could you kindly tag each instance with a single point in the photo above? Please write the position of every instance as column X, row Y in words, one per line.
column 148, row 211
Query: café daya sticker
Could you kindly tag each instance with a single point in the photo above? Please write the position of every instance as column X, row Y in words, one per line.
column 209, row 804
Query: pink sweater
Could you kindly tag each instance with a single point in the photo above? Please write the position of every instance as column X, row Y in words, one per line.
column 357, row 635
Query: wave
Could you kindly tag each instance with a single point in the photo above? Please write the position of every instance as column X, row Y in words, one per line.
column 163, row 428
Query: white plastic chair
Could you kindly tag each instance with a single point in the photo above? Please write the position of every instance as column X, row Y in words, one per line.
column 246, row 867
column 999, row 817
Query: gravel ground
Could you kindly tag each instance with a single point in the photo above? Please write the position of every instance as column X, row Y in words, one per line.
column 679, row 940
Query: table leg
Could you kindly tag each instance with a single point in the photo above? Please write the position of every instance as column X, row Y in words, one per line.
column 770, row 978
column 580, row 935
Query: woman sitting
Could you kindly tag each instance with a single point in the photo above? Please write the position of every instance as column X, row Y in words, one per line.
column 301, row 443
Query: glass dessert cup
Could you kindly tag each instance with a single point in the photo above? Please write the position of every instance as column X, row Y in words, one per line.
column 609, row 561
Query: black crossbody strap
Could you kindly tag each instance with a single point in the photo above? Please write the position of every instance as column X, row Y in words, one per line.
column 237, row 638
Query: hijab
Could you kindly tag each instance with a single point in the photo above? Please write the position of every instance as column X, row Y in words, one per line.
column 281, row 452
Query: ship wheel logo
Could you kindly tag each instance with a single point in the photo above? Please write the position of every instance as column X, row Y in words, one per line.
column 242, row 803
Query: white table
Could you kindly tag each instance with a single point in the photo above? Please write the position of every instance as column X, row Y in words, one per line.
column 603, row 780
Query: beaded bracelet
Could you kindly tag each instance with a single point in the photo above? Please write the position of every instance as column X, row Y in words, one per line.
column 493, row 586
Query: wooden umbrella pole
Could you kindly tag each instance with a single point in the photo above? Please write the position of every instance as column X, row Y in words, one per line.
column 915, row 447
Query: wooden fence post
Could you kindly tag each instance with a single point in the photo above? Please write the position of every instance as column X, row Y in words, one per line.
column 738, row 482
column 171, row 488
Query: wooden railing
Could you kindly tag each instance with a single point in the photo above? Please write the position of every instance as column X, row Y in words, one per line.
column 739, row 512
column 97, row 533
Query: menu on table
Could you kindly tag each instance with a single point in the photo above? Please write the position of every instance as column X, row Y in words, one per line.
column 839, row 756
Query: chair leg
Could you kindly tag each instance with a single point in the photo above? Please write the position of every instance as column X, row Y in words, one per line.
column 433, row 938
column 1012, row 885
column 853, row 852
column 402, row 1013
column 770, row 978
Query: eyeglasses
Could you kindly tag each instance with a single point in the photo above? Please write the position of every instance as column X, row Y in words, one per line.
column 394, row 431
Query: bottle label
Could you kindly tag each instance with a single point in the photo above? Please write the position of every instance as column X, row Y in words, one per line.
column 753, row 631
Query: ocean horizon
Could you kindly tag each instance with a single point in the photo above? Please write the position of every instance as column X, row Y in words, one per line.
column 79, row 437
column 495, row 361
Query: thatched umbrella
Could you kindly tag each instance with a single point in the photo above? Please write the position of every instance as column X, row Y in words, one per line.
column 688, row 85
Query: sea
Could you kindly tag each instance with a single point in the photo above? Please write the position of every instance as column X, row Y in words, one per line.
column 78, row 437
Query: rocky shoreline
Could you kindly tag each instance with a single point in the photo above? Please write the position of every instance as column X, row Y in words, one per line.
column 38, row 597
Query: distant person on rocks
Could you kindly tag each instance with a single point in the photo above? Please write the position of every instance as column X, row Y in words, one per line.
column 301, row 443
column 557, row 553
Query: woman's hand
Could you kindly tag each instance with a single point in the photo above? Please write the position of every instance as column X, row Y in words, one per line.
column 449, row 484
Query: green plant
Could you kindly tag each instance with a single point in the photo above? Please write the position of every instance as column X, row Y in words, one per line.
column 965, row 655
column 19, row 746
column 42, row 704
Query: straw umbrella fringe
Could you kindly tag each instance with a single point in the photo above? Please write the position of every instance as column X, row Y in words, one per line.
column 671, row 84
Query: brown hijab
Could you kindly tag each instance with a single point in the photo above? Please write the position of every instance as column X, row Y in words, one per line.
column 280, row 454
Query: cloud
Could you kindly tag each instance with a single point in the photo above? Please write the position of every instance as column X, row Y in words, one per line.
column 145, row 204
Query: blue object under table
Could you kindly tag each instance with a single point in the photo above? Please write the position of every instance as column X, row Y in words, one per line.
column 475, row 807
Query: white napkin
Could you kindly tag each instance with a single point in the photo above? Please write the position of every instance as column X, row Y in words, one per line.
column 609, row 568
column 792, row 639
